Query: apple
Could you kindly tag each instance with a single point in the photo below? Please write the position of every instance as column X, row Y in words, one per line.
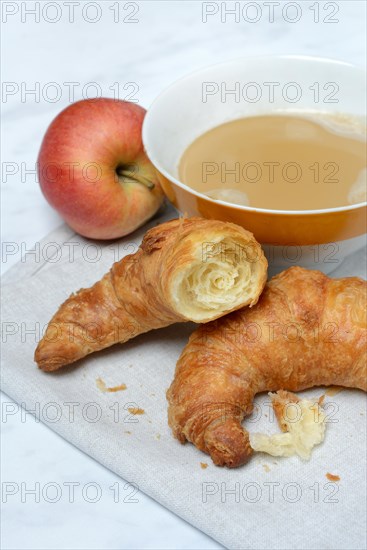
column 93, row 169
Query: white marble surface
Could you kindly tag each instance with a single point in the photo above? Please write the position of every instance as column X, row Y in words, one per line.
column 169, row 40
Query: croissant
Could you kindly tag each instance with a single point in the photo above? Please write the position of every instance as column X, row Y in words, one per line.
column 306, row 330
column 186, row 269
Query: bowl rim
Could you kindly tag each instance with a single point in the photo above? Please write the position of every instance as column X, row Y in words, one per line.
column 190, row 190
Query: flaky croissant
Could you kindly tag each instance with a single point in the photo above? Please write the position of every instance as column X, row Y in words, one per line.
column 186, row 269
column 306, row 330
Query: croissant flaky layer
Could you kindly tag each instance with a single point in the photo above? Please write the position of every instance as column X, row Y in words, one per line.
column 186, row 269
column 306, row 330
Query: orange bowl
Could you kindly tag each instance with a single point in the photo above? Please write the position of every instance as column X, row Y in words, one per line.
column 207, row 98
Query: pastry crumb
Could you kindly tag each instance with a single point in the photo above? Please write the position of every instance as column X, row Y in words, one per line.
column 157, row 436
column 101, row 385
column 266, row 467
column 321, row 399
column 127, row 432
column 203, row 465
column 136, row 410
column 121, row 387
column 302, row 422
column 333, row 390
column 332, row 477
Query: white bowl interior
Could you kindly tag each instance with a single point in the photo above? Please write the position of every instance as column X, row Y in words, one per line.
column 203, row 100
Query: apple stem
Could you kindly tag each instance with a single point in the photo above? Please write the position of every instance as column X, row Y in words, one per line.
column 134, row 176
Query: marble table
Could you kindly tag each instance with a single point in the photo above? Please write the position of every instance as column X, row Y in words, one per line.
column 57, row 52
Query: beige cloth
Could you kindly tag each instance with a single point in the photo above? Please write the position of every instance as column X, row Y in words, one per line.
column 269, row 503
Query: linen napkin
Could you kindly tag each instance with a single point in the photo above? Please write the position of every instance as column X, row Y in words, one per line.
column 268, row 503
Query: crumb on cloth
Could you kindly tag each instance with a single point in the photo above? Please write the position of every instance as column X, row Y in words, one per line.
column 332, row 477
column 333, row 390
column 101, row 385
column 136, row 410
column 203, row 465
column 302, row 424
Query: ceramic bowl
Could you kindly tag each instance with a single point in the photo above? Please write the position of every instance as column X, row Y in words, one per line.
column 317, row 239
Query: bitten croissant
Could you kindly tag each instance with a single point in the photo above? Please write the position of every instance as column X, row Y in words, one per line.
column 306, row 330
column 186, row 269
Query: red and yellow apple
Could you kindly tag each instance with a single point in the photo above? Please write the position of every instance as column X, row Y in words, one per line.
column 93, row 170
